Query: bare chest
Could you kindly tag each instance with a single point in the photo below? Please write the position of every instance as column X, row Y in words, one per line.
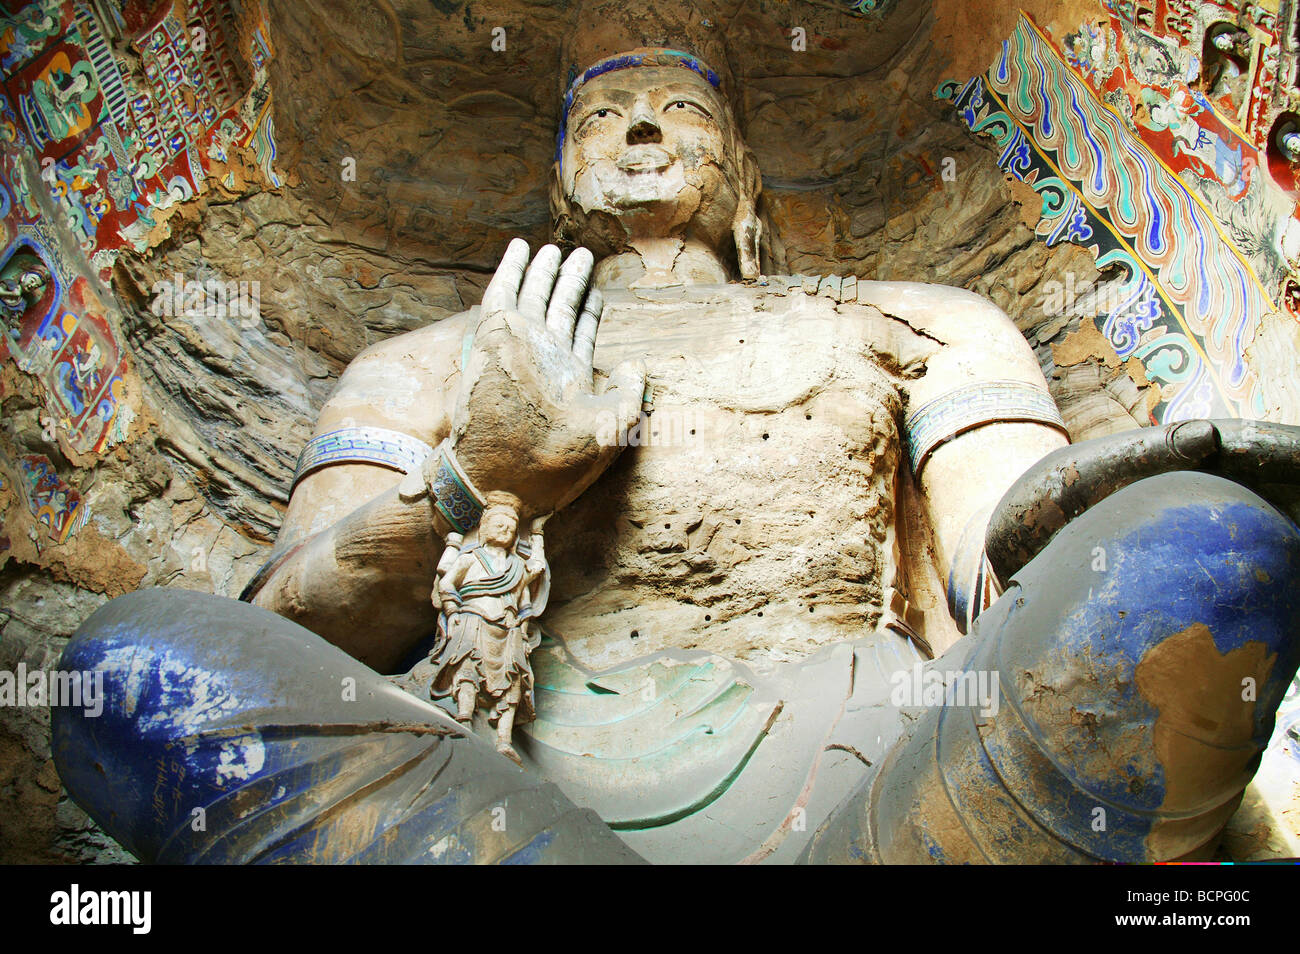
column 756, row 494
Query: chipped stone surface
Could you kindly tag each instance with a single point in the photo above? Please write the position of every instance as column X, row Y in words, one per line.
column 684, row 540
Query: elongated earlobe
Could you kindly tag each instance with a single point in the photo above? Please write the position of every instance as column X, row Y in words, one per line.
column 746, row 227
column 748, row 231
column 561, row 212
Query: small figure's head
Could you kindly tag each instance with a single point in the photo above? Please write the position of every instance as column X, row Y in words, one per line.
column 25, row 279
column 33, row 281
column 648, row 148
column 500, row 521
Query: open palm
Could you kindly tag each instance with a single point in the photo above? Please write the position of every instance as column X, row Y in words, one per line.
column 528, row 418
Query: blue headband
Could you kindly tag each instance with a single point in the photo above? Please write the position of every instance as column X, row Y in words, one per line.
column 623, row 61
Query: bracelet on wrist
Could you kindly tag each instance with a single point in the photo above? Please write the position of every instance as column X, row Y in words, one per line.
column 451, row 492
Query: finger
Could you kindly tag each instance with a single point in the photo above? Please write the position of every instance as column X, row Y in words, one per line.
column 538, row 282
column 624, row 392
column 562, row 313
column 502, row 293
column 584, row 335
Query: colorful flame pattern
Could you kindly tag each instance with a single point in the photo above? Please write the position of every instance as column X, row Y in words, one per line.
column 1191, row 300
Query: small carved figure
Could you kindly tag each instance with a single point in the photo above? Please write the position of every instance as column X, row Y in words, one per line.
column 488, row 591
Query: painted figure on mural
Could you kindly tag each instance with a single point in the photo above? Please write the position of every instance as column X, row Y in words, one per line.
column 1225, row 66
column 79, row 375
column 23, row 35
column 1089, row 51
column 22, row 287
column 53, row 503
column 60, row 96
column 872, row 463
column 1211, row 155
column 44, row 349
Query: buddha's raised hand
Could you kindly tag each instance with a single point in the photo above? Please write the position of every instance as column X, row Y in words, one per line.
column 528, row 418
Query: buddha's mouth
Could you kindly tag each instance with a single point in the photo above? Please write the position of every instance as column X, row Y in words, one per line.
column 643, row 159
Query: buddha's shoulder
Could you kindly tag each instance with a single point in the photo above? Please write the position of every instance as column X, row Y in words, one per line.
column 843, row 307
column 799, row 291
column 434, row 339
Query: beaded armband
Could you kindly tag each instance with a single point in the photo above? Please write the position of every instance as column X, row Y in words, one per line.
column 452, row 493
column 966, row 408
column 362, row 445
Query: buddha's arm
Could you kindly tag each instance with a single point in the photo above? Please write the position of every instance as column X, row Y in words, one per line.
column 979, row 378
column 510, row 387
column 364, row 582
column 356, row 560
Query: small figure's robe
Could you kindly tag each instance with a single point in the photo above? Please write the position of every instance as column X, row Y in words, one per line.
column 485, row 639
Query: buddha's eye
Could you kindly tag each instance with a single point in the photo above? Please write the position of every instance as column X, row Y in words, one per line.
column 685, row 105
column 604, row 112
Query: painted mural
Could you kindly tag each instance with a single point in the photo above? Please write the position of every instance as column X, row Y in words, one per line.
column 1105, row 155
column 94, row 145
column 57, row 507
column 1199, row 83
column 1142, row 75
column 117, row 145
column 63, row 337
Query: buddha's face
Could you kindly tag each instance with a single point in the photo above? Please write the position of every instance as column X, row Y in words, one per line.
column 651, row 148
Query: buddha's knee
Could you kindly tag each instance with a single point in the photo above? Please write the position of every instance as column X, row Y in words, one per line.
column 1138, row 663
column 229, row 734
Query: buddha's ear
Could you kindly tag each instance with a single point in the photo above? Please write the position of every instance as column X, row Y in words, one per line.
column 746, row 226
column 561, row 211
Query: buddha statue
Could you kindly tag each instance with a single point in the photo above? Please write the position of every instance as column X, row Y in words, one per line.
column 829, row 581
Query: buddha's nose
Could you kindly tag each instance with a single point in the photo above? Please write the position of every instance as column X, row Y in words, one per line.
column 643, row 127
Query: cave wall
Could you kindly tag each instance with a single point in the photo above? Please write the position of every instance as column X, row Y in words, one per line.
column 119, row 123
column 352, row 170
